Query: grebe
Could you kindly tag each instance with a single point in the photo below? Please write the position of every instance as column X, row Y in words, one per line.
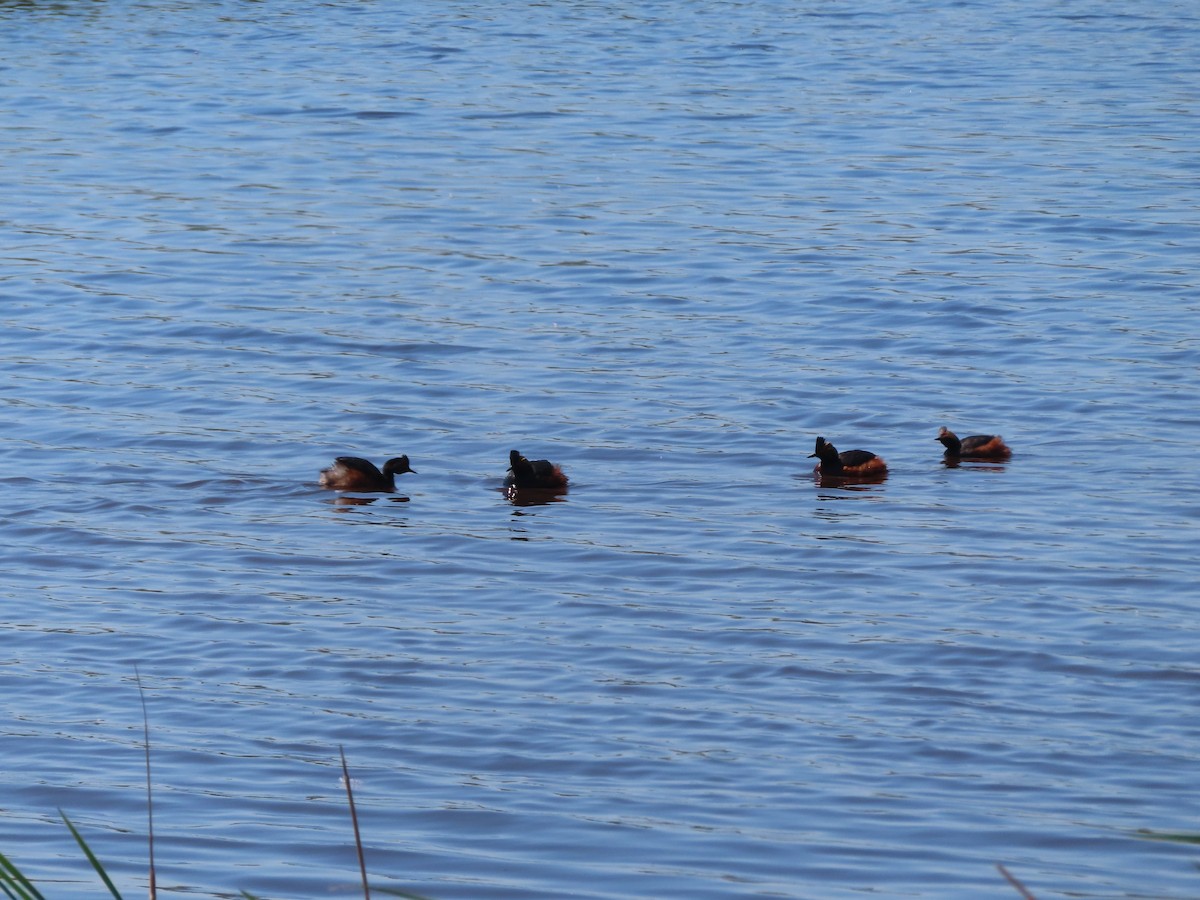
column 848, row 462
column 537, row 473
column 977, row 446
column 349, row 473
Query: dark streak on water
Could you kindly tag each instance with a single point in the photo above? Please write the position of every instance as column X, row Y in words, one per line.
column 665, row 247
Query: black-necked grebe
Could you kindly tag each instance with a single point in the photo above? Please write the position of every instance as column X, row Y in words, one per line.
column 977, row 446
column 349, row 473
column 848, row 462
column 537, row 473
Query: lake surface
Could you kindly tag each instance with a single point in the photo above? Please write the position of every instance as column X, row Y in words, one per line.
column 666, row 246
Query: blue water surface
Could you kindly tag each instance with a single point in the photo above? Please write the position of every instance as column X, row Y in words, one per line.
column 666, row 246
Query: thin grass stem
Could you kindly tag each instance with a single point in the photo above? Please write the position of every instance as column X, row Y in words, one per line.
column 362, row 859
column 149, row 791
column 1012, row 879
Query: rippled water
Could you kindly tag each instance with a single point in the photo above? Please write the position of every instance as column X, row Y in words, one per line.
column 664, row 245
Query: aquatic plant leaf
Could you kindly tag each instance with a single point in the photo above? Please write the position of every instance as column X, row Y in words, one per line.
column 112, row 889
column 1167, row 836
column 11, row 880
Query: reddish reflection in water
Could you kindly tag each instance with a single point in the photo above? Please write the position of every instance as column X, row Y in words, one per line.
column 987, row 465
column 534, row 496
column 849, row 482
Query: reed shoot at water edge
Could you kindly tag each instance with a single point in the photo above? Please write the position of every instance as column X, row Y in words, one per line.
column 16, row 886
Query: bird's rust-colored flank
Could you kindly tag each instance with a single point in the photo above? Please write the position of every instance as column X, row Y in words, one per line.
column 977, row 446
column 350, row 473
column 848, row 462
column 536, row 474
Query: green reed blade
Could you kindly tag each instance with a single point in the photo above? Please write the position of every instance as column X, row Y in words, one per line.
column 11, row 880
column 112, row 889
column 1167, row 836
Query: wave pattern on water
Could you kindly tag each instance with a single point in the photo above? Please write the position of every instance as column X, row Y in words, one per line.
column 666, row 248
